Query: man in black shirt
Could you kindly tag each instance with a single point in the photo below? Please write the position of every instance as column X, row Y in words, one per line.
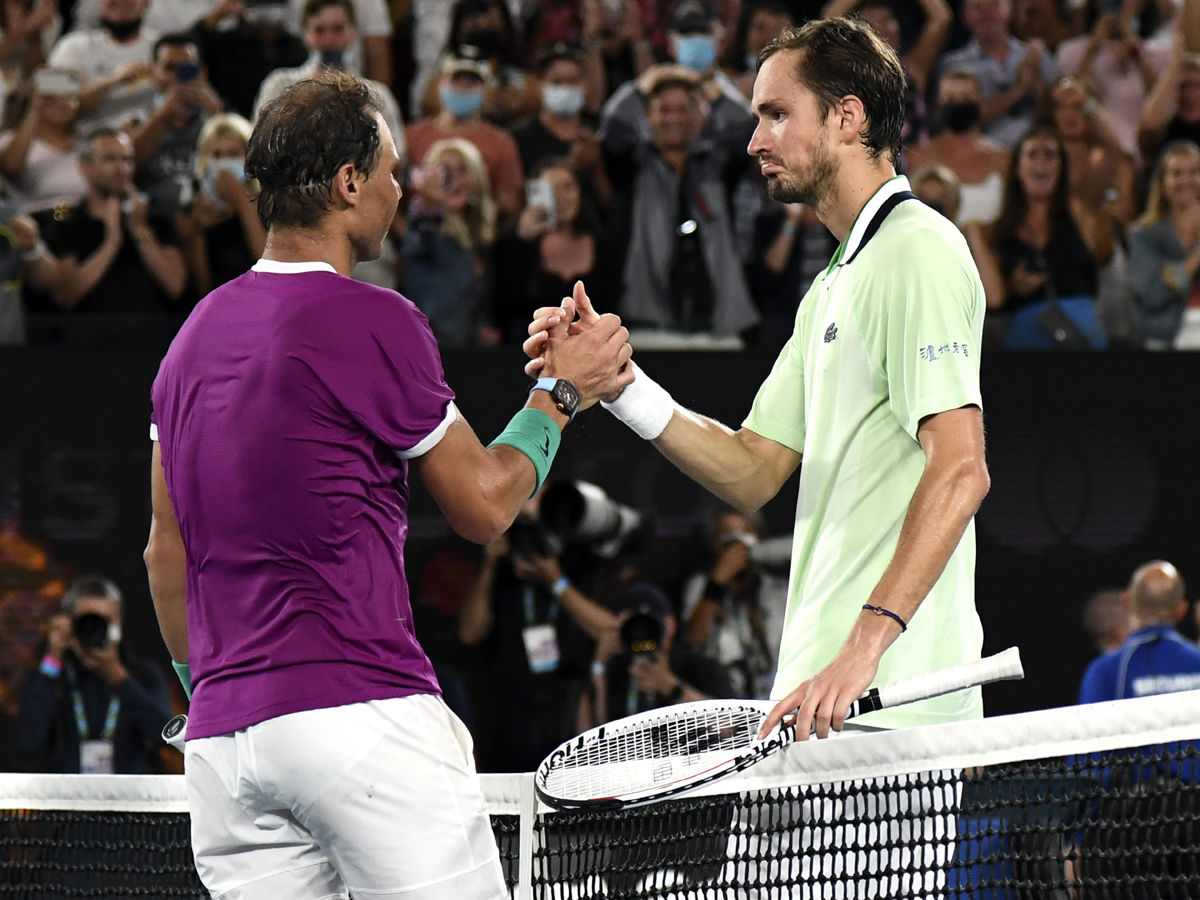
column 120, row 267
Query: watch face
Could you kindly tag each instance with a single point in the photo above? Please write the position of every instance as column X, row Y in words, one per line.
column 565, row 393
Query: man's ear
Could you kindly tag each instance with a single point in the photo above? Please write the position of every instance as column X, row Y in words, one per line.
column 853, row 121
column 345, row 185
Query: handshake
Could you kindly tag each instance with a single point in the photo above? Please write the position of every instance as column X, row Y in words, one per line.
column 575, row 343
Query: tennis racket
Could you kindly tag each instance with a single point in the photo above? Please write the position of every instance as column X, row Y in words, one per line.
column 664, row 752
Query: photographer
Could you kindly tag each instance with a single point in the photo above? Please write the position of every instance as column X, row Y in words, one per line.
column 534, row 630
column 734, row 611
column 642, row 667
column 90, row 706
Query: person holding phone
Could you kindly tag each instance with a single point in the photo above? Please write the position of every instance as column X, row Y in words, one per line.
column 40, row 157
column 556, row 240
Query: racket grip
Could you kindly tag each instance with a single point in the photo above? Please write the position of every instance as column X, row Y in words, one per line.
column 1004, row 666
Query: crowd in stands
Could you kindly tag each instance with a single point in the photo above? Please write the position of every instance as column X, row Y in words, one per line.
column 547, row 140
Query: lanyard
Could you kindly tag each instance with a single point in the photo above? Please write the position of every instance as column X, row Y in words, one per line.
column 110, row 718
column 531, row 610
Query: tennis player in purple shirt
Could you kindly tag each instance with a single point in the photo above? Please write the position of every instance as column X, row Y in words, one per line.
column 320, row 758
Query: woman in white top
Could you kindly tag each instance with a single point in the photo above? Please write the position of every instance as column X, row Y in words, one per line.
column 978, row 162
column 39, row 157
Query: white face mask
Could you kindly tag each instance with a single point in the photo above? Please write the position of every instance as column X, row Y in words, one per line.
column 114, row 633
column 562, row 99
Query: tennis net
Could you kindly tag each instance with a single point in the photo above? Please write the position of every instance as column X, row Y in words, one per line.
column 1087, row 803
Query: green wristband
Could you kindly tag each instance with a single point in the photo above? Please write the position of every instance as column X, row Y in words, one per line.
column 185, row 676
column 535, row 434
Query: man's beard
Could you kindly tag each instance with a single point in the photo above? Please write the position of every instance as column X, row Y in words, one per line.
column 813, row 187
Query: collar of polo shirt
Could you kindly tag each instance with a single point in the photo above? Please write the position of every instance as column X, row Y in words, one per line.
column 862, row 224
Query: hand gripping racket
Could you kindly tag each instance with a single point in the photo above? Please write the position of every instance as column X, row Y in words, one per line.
column 664, row 752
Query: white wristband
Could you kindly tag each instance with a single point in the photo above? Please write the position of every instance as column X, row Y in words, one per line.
column 645, row 406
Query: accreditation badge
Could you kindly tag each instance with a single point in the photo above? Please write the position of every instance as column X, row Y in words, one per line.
column 96, row 757
column 541, row 647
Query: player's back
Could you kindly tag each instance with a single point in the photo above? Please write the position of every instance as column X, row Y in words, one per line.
column 280, row 409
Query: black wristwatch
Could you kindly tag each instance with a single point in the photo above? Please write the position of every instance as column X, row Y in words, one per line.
column 566, row 398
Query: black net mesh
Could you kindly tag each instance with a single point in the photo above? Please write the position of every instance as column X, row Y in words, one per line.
column 1118, row 825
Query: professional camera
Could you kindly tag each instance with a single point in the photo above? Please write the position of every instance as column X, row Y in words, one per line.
column 527, row 539
column 642, row 634
column 582, row 513
column 92, row 631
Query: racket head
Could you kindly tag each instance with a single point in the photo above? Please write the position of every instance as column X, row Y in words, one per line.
column 656, row 754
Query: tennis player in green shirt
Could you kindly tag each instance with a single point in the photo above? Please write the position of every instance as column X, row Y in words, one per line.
column 877, row 392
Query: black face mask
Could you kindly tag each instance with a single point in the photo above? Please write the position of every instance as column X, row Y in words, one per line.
column 121, row 30
column 334, row 59
column 960, row 117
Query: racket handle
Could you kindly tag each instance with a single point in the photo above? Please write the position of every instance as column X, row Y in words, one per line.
column 1004, row 666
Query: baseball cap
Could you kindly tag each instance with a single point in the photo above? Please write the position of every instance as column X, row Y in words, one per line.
column 691, row 16
column 468, row 59
column 556, row 51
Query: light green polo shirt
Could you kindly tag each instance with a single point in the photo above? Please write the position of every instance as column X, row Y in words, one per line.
column 888, row 335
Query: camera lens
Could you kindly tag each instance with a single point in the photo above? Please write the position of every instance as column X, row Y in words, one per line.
column 91, row 630
column 641, row 633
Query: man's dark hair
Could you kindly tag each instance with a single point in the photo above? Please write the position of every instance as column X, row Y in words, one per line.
column 87, row 146
column 313, row 7
column 177, row 39
column 301, row 140
column 841, row 57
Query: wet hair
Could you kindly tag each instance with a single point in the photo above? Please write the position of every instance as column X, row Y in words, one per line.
column 301, row 141
column 841, row 57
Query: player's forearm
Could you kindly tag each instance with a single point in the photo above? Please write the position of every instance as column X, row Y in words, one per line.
column 594, row 619
column 946, row 498
column 166, row 567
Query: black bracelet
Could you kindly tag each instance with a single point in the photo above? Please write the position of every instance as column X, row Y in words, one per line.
column 880, row 611
column 715, row 591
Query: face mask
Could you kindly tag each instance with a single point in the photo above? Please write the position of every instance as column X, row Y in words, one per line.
column 333, row 59
column 696, row 51
column 121, row 30
column 562, row 100
column 960, row 117
column 460, row 104
column 235, row 166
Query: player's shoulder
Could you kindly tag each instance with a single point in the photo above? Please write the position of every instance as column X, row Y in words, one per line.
column 916, row 236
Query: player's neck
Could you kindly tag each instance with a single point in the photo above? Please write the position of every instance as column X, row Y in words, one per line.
column 856, row 184
column 309, row 245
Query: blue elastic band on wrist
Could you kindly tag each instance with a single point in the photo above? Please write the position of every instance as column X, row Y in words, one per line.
column 535, row 434
column 185, row 677
column 880, row 611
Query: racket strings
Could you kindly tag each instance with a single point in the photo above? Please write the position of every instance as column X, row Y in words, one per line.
column 654, row 752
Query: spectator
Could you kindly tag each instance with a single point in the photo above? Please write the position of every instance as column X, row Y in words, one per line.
column 164, row 148
column 447, row 245
column 162, row 16
column 91, row 706
column 329, row 34
column 535, row 630
column 222, row 234
column 695, row 32
column 979, row 163
column 487, row 27
column 671, row 199
column 760, row 23
column 122, row 268
column 918, row 60
column 370, row 55
column 734, row 611
column 1172, row 110
column 28, row 29
column 644, row 667
column 40, row 157
column 620, row 33
column 241, row 45
column 22, row 253
column 938, row 188
column 539, row 260
column 1010, row 73
column 1103, row 175
column 1106, row 620
column 114, row 63
column 560, row 129
column 1118, row 68
column 464, row 77
column 1164, row 252
column 1154, row 659
column 1046, row 245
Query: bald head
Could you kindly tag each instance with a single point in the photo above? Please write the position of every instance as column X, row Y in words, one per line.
column 1156, row 594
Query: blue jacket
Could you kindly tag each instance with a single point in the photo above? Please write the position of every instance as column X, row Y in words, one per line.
column 1153, row 660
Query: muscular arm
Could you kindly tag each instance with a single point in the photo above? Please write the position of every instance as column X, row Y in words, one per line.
column 952, row 485
column 166, row 564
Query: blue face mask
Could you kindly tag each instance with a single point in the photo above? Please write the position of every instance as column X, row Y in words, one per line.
column 562, row 99
column 460, row 104
column 696, row 51
column 235, row 166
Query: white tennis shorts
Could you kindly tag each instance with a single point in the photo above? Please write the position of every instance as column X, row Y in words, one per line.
column 380, row 799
